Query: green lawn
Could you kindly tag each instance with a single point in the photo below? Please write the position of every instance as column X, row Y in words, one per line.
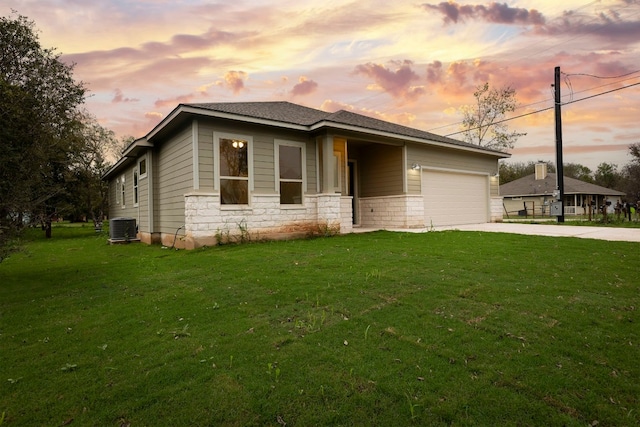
column 388, row 329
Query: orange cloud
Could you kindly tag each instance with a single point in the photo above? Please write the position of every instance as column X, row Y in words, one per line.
column 172, row 102
column 234, row 80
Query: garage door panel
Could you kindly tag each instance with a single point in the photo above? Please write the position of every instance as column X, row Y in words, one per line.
column 454, row 198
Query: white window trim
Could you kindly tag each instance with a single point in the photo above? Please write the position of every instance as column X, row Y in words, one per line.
column 337, row 173
column 122, row 190
column 118, row 191
column 303, row 153
column 217, row 136
column 136, row 187
column 146, row 169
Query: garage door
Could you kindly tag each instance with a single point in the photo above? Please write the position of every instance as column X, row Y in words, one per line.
column 453, row 198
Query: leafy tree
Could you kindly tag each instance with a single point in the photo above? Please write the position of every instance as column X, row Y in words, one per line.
column 483, row 122
column 578, row 171
column 39, row 118
column 631, row 174
column 87, row 194
column 607, row 175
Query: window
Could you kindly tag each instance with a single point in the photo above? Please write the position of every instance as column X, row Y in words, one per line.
column 122, row 187
column 142, row 168
column 291, row 172
column 337, row 171
column 117, row 191
column 234, row 171
column 135, row 187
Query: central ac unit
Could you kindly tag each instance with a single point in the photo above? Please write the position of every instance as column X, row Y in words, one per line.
column 122, row 228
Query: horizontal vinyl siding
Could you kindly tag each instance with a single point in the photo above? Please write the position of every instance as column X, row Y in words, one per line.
column 174, row 180
column 312, row 173
column 113, row 207
column 381, row 171
column 143, row 204
column 205, row 156
column 263, row 153
column 263, row 163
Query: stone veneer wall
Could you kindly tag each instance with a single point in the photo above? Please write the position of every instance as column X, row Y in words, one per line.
column 206, row 220
column 346, row 214
column 406, row 211
column 497, row 209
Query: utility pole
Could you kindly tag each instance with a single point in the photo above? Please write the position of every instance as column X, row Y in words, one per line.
column 559, row 167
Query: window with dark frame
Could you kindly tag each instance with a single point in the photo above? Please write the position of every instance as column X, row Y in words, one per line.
column 290, row 174
column 234, row 171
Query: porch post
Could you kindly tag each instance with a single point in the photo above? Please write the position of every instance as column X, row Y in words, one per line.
column 328, row 171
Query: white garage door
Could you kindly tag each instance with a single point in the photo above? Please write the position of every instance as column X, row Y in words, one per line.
column 452, row 198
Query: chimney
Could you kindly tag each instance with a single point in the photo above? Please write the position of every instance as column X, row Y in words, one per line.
column 541, row 171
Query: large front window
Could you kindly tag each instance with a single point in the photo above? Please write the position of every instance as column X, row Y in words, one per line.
column 234, row 171
column 291, row 173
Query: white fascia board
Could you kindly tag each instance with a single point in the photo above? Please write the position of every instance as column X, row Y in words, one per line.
column 353, row 128
column 142, row 142
column 115, row 167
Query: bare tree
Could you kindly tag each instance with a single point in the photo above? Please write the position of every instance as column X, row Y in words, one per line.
column 483, row 122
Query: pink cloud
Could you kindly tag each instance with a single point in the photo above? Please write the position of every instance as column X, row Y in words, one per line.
column 119, row 97
column 172, row 102
column 397, row 82
column 304, row 87
column 496, row 13
column 609, row 25
column 434, row 72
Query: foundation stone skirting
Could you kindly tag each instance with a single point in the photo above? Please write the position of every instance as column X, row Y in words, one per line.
column 346, row 214
column 206, row 220
column 497, row 209
column 405, row 211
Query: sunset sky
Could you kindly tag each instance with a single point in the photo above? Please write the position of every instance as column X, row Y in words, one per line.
column 410, row 62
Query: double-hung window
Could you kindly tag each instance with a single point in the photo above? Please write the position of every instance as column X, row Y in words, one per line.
column 234, row 168
column 121, row 189
column 135, row 187
column 290, row 172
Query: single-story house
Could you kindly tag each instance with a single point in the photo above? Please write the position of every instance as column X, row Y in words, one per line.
column 268, row 169
column 532, row 194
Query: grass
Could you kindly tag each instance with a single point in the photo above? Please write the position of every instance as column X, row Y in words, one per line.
column 443, row 328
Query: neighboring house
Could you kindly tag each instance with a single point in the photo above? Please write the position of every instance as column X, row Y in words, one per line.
column 269, row 169
column 533, row 194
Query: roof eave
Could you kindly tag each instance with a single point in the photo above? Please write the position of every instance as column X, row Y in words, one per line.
column 188, row 109
column 342, row 126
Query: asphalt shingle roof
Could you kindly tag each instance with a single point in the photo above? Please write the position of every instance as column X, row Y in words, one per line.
column 529, row 186
column 289, row 113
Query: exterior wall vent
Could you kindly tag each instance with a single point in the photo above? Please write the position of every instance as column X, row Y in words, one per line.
column 122, row 229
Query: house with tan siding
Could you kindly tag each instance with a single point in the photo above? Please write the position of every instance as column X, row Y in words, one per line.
column 265, row 170
column 533, row 194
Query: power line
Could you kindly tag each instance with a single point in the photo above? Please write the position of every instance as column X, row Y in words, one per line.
column 601, row 77
column 546, row 109
column 602, row 93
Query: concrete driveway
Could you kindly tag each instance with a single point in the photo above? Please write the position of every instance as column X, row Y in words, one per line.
column 583, row 232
